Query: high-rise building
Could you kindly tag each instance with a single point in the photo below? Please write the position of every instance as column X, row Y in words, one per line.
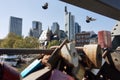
column 62, row 35
column 69, row 25
column 15, row 25
column 55, row 28
column 36, row 29
column 77, row 28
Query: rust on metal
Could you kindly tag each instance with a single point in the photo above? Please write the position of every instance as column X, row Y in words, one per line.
column 104, row 39
column 94, row 54
column 55, row 56
column 116, row 59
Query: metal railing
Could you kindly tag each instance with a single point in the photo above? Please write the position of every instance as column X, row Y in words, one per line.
column 24, row 51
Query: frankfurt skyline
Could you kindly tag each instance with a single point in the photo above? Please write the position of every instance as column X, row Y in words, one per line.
column 30, row 10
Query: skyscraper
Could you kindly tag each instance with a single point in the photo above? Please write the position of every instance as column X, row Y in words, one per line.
column 77, row 28
column 15, row 25
column 69, row 25
column 55, row 28
column 36, row 29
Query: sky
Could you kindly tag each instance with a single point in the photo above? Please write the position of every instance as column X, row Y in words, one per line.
column 31, row 10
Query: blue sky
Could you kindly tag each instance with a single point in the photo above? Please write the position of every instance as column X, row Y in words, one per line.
column 31, row 10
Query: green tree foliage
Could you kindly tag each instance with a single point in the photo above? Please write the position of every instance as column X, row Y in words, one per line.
column 0, row 42
column 14, row 41
column 12, row 35
column 19, row 44
column 53, row 43
column 31, row 42
column 9, row 41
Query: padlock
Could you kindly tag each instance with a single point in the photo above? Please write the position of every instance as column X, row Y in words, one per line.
column 41, row 74
column 104, row 39
column 94, row 54
column 35, row 65
column 69, row 53
column 7, row 72
column 58, row 75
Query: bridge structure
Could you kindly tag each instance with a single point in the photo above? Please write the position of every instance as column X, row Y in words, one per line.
column 109, row 8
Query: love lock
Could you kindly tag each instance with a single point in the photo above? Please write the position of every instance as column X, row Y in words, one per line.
column 116, row 59
column 69, row 53
column 93, row 54
column 8, row 72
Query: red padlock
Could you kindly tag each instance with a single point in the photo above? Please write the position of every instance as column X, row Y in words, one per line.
column 7, row 72
column 104, row 39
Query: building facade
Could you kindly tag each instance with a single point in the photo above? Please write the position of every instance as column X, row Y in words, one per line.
column 36, row 29
column 69, row 25
column 62, row 35
column 15, row 25
column 55, row 28
column 84, row 38
column 77, row 28
column 46, row 35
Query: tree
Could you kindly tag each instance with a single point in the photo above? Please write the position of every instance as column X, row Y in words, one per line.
column 19, row 43
column 31, row 42
column 9, row 41
column 13, row 35
column 1, row 42
column 15, row 41
column 53, row 43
